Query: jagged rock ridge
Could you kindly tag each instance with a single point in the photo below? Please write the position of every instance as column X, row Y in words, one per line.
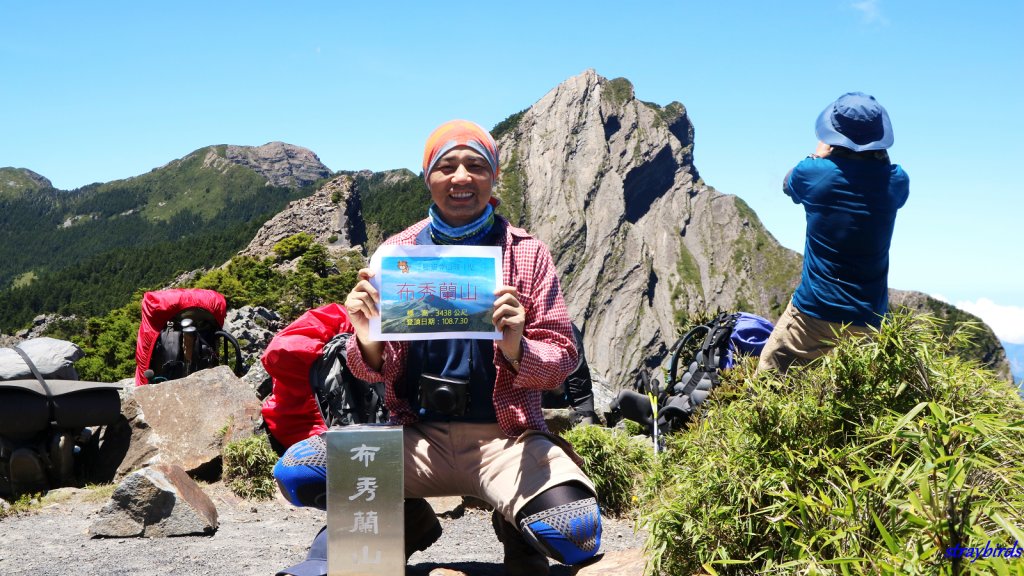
column 328, row 215
column 608, row 182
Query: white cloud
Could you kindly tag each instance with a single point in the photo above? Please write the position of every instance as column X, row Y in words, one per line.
column 1006, row 321
column 871, row 11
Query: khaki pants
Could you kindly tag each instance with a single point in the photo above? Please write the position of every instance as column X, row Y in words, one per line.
column 470, row 459
column 799, row 338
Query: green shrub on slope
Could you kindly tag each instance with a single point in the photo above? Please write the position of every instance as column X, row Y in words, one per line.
column 108, row 341
column 615, row 461
column 874, row 460
column 249, row 467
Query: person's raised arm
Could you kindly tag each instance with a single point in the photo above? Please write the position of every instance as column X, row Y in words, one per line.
column 822, row 150
column 363, row 303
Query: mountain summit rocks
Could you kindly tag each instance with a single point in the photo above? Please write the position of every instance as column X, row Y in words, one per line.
column 282, row 164
column 326, row 214
column 640, row 241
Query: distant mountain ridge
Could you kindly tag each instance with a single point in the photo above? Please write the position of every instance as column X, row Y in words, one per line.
column 114, row 238
column 1015, row 355
column 284, row 165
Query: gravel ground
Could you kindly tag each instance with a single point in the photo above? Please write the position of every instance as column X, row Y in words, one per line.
column 254, row 538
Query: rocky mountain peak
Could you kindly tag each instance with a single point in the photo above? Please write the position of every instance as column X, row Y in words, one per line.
column 640, row 242
column 282, row 164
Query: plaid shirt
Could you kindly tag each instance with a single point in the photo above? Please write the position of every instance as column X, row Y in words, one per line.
column 549, row 354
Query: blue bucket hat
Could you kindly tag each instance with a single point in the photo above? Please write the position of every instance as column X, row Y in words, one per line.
column 855, row 121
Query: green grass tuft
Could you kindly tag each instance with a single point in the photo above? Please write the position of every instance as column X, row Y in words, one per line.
column 249, row 468
column 25, row 504
column 617, row 91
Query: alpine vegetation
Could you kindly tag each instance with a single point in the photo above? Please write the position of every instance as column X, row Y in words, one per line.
column 616, row 461
column 248, row 467
column 875, row 459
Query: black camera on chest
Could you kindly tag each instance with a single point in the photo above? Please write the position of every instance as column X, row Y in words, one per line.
column 441, row 395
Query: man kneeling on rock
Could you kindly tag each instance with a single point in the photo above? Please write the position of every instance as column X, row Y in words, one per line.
column 498, row 448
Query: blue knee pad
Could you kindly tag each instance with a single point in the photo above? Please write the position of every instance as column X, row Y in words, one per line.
column 302, row 473
column 570, row 533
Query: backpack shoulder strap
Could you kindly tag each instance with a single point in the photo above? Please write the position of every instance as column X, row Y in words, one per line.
column 35, row 371
column 707, row 360
column 717, row 341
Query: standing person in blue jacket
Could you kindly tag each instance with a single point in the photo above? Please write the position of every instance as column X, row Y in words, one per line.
column 850, row 192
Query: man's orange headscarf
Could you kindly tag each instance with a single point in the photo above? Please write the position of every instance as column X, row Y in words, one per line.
column 459, row 133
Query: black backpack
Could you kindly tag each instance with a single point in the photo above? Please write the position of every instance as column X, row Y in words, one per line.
column 679, row 398
column 577, row 392
column 192, row 341
column 344, row 399
column 682, row 397
column 48, row 416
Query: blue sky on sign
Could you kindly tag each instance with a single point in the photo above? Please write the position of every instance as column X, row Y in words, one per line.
column 100, row 91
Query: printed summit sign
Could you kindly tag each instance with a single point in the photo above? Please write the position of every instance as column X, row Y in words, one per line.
column 435, row 292
column 365, row 501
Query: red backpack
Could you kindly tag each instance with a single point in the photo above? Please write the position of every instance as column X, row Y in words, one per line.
column 182, row 332
column 312, row 386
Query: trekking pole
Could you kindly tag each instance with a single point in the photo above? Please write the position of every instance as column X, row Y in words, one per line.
column 188, row 343
column 654, row 428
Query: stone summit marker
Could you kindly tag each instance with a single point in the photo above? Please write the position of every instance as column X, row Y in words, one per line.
column 365, row 501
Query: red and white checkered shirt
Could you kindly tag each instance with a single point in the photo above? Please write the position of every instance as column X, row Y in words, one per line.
column 549, row 354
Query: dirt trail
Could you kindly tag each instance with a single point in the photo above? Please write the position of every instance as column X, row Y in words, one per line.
column 254, row 538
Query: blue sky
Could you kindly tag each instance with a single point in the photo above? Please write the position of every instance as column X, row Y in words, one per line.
column 97, row 91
